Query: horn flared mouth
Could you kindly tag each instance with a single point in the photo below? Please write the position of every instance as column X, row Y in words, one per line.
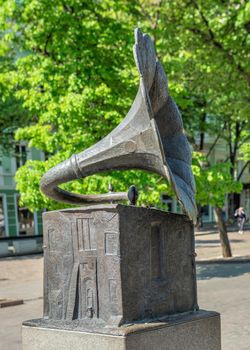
column 150, row 138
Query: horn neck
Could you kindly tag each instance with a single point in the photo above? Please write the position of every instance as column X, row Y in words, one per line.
column 134, row 143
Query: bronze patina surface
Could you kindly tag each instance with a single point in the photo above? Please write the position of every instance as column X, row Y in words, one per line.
column 110, row 265
column 150, row 137
column 116, row 276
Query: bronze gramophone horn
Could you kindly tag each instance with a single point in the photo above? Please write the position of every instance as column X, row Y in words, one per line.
column 150, row 137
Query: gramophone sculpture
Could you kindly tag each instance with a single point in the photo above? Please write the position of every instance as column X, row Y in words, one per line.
column 119, row 277
column 150, row 137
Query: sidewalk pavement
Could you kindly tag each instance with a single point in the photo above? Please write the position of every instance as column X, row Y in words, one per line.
column 208, row 247
column 222, row 287
column 20, row 278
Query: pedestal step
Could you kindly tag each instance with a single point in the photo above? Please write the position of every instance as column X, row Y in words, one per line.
column 198, row 331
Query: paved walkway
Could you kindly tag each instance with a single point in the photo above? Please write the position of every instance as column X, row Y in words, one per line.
column 20, row 278
column 221, row 287
column 208, row 244
column 226, row 288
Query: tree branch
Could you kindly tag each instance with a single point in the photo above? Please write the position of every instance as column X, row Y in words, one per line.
column 213, row 145
column 238, row 130
column 242, row 170
column 154, row 21
column 216, row 43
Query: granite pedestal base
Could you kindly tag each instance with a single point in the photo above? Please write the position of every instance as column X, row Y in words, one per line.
column 195, row 331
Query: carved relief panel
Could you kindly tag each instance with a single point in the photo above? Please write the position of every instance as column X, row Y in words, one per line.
column 58, row 265
column 82, row 302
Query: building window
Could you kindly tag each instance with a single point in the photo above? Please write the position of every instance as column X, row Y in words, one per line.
column 2, row 218
column 26, row 224
column 205, row 210
column 21, row 155
column 167, row 200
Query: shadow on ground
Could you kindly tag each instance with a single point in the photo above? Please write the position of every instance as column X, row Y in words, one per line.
column 210, row 243
column 206, row 272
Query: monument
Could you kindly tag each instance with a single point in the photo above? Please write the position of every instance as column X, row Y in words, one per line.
column 120, row 276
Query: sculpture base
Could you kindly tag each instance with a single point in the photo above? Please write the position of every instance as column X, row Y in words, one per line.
column 195, row 331
column 117, row 264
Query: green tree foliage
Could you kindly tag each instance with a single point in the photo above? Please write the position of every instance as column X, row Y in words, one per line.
column 245, row 151
column 213, row 182
column 72, row 76
column 205, row 46
column 245, row 154
column 12, row 114
column 245, row 148
column 76, row 76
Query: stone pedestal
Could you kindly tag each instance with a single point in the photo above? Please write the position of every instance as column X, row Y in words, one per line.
column 120, row 277
column 118, row 264
column 197, row 331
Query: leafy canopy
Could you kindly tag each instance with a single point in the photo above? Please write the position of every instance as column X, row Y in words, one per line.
column 76, row 77
column 213, row 182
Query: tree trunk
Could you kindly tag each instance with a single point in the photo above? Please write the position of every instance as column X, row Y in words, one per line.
column 202, row 129
column 225, row 244
column 231, row 207
column 234, row 144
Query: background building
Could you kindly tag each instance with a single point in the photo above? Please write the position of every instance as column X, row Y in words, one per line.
column 16, row 220
column 219, row 154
